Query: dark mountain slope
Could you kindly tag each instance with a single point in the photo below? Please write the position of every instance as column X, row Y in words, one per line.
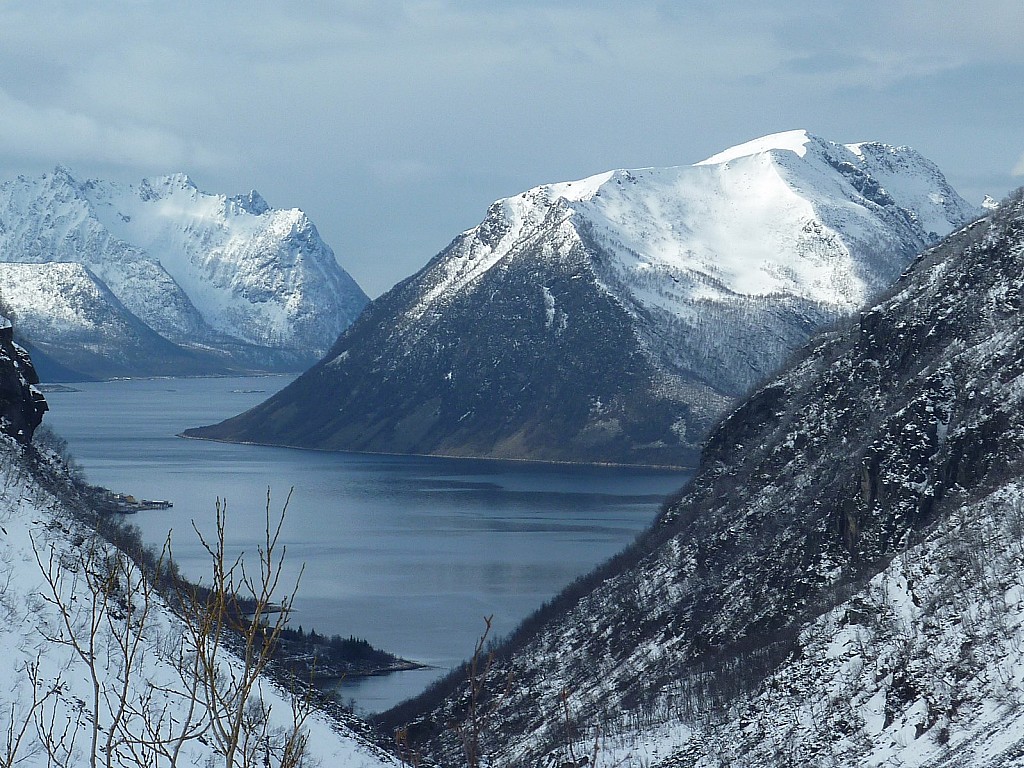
column 808, row 489
column 467, row 390
column 50, row 370
column 76, row 322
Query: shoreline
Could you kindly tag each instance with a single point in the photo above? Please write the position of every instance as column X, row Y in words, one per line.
column 454, row 457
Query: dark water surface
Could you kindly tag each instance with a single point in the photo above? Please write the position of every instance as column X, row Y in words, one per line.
column 410, row 553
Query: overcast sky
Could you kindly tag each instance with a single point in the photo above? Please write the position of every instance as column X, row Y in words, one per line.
column 395, row 123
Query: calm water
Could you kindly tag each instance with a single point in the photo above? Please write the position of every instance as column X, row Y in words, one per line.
column 410, row 553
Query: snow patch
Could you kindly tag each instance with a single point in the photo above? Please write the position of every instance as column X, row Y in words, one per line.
column 788, row 141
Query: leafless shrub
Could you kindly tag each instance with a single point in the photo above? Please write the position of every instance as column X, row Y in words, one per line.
column 105, row 606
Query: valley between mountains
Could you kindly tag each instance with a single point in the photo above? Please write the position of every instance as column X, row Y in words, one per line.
column 829, row 332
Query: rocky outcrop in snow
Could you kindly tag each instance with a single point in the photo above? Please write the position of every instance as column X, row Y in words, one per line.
column 615, row 318
column 231, row 281
column 21, row 405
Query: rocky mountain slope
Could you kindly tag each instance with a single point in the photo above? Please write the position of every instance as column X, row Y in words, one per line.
column 230, row 282
column 613, row 319
column 73, row 317
column 839, row 585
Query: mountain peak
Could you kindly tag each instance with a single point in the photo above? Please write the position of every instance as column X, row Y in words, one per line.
column 181, row 180
column 252, row 202
column 696, row 281
column 859, row 147
column 61, row 178
column 62, row 172
column 791, row 141
column 156, row 187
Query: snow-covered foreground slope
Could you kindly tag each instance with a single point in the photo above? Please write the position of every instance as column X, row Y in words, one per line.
column 923, row 667
column 616, row 317
column 139, row 692
column 839, row 585
column 228, row 277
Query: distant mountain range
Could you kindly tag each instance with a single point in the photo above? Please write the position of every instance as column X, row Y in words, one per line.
column 842, row 583
column 105, row 279
column 615, row 318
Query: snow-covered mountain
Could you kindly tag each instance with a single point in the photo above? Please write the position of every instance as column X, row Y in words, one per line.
column 231, row 281
column 616, row 317
column 73, row 317
column 840, row 585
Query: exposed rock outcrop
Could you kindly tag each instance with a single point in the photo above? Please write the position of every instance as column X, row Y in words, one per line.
column 21, row 405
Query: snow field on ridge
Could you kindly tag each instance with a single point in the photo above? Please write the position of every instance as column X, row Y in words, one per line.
column 197, row 238
column 766, row 218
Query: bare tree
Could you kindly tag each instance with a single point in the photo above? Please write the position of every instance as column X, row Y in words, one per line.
column 106, row 607
column 80, row 625
column 480, row 708
column 239, row 608
column 22, row 718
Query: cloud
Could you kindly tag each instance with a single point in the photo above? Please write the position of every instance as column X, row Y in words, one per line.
column 400, row 172
column 1018, row 169
column 55, row 134
column 354, row 107
column 877, row 45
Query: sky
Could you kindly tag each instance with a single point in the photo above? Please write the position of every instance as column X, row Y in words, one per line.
column 395, row 123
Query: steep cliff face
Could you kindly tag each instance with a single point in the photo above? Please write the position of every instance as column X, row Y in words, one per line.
column 21, row 405
column 615, row 318
column 869, row 446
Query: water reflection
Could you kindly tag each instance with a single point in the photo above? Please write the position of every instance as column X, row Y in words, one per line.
column 409, row 552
